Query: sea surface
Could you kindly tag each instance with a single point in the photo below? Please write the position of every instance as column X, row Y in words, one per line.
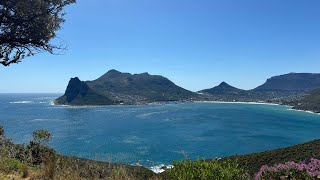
column 155, row 135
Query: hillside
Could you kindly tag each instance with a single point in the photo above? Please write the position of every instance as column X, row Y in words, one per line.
column 310, row 102
column 291, row 82
column 223, row 88
column 115, row 87
column 301, row 152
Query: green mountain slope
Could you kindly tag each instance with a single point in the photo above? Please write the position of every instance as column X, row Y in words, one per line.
column 143, row 87
column 310, row 102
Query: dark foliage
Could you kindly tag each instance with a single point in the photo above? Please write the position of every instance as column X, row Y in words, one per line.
column 26, row 27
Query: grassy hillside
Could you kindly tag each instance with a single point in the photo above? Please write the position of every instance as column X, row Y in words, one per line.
column 301, row 152
column 310, row 102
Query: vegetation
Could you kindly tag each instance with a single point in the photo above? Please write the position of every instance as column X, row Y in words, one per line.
column 310, row 102
column 298, row 153
column 28, row 26
column 291, row 170
column 201, row 169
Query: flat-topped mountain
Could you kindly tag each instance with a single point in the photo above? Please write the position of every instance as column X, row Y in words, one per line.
column 223, row 88
column 116, row 87
column 291, row 82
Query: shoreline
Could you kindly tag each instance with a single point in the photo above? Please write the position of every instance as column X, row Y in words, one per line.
column 290, row 108
column 238, row 102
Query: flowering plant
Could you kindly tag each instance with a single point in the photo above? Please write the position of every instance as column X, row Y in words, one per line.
column 290, row 170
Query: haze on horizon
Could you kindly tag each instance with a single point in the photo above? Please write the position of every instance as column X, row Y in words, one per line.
column 196, row 43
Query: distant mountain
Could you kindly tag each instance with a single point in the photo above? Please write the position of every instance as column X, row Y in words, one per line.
column 223, row 88
column 125, row 88
column 310, row 102
column 79, row 93
column 291, row 82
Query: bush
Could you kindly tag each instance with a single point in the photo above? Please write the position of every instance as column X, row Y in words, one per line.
column 10, row 164
column 41, row 136
column 201, row 169
column 1, row 130
column 290, row 170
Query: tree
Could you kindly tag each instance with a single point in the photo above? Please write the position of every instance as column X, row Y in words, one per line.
column 41, row 136
column 28, row 26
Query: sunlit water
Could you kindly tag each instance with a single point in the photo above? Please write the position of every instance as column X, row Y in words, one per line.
column 156, row 134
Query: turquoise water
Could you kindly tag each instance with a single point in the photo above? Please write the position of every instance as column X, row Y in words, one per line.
column 156, row 134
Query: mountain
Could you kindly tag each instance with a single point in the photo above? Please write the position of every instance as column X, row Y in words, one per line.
column 223, row 88
column 310, row 102
column 115, row 87
column 79, row 93
column 291, row 82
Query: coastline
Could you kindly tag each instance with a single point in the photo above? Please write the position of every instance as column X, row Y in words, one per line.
column 290, row 108
column 238, row 102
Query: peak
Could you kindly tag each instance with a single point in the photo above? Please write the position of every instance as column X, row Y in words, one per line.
column 113, row 71
column 223, row 83
column 75, row 79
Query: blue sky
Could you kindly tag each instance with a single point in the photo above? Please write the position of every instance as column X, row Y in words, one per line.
column 195, row 43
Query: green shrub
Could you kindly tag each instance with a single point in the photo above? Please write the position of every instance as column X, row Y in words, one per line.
column 10, row 164
column 201, row 169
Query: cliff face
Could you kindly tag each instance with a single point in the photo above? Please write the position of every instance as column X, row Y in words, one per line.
column 79, row 93
column 115, row 87
column 291, row 82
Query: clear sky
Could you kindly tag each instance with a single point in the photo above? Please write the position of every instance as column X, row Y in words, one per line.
column 195, row 43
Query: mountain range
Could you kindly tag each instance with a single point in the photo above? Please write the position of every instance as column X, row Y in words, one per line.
column 114, row 88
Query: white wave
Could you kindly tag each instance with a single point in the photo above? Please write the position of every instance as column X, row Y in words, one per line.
column 132, row 140
column 237, row 102
column 150, row 114
column 21, row 102
column 45, row 120
column 44, row 98
column 160, row 168
column 311, row 112
column 42, row 102
column 39, row 120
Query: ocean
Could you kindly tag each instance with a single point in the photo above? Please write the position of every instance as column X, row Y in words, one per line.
column 156, row 135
